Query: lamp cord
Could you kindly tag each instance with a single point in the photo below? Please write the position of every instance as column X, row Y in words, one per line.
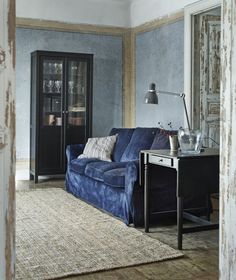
column 212, row 140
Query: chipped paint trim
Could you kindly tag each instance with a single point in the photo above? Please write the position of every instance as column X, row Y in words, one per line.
column 2, row 57
column 227, row 259
column 2, row 139
column 7, row 143
column 12, row 30
column 2, row 146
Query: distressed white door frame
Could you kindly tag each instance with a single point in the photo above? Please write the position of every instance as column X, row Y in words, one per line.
column 228, row 143
column 7, row 139
column 189, row 12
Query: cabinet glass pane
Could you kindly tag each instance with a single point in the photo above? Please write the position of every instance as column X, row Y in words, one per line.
column 77, row 73
column 52, row 85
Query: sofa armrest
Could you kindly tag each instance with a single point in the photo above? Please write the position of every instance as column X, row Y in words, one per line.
column 131, row 179
column 73, row 151
column 131, row 175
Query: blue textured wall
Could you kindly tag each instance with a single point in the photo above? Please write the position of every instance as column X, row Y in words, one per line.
column 107, row 84
column 160, row 59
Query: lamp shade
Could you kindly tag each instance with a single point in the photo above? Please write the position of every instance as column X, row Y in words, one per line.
column 151, row 96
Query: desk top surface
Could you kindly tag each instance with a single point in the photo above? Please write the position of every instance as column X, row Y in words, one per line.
column 207, row 152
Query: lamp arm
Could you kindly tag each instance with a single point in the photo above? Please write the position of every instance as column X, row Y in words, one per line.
column 185, row 110
column 182, row 95
column 169, row 93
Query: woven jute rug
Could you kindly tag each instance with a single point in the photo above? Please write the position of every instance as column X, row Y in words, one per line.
column 59, row 235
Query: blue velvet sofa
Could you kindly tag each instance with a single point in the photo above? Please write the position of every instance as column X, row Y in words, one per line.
column 115, row 186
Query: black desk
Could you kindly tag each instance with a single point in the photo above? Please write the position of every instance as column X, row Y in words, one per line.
column 196, row 175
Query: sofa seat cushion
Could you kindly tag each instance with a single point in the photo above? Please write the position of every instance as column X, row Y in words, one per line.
column 96, row 170
column 78, row 165
column 115, row 177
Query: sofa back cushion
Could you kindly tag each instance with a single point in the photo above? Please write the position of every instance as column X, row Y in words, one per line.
column 142, row 139
column 123, row 138
column 161, row 140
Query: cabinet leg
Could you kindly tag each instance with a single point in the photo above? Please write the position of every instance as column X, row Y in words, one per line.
column 35, row 179
column 180, row 221
column 146, row 199
column 31, row 177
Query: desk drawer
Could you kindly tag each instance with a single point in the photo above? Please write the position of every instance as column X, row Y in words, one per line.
column 160, row 160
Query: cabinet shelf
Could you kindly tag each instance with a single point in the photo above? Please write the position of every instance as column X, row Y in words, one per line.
column 52, row 94
column 77, row 109
column 53, row 113
column 52, row 74
column 51, row 126
column 76, row 76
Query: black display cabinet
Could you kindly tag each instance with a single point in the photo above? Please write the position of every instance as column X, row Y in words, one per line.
column 61, row 108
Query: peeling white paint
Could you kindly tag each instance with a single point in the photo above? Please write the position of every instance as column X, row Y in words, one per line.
column 2, row 59
column 7, row 136
column 228, row 144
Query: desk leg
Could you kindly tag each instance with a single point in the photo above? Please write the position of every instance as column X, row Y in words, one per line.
column 180, row 221
column 146, row 199
column 208, row 204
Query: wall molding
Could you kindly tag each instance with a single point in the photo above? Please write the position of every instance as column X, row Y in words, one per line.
column 156, row 23
column 98, row 29
column 128, row 48
column 69, row 27
column 128, row 93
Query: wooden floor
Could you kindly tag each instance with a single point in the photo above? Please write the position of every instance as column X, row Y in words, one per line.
column 200, row 261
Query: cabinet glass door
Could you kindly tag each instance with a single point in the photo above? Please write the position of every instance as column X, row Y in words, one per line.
column 76, row 93
column 52, row 85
